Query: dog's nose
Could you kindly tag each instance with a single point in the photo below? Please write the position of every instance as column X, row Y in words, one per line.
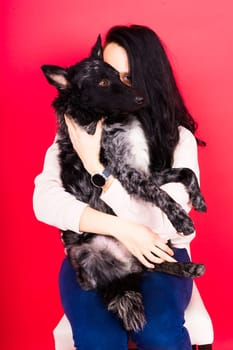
column 139, row 100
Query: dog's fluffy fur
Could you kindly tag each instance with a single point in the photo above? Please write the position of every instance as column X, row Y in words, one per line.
column 88, row 91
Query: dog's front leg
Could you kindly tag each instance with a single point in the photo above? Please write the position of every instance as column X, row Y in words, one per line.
column 188, row 178
column 175, row 213
column 142, row 186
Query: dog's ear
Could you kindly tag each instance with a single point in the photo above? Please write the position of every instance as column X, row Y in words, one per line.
column 97, row 50
column 56, row 76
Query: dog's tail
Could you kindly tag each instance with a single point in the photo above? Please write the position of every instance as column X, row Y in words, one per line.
column 129, row 308
column 124, row 299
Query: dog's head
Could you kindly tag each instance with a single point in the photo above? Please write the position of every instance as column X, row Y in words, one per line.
column 91, row 89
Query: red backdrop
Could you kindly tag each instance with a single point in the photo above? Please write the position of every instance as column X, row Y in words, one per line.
column 198, row 36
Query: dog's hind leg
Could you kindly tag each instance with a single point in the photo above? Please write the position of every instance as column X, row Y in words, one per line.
column 181, row 269
column 101, row 261
column 97, row 268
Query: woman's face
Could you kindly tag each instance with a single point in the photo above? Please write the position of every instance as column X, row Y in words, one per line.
column 116, row 56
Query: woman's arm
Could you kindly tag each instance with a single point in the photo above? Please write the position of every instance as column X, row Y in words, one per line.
column 127, row 207
column 51, row 203
column 56, row 207
column 139, row 239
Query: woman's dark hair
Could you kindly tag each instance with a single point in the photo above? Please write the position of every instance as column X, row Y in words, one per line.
column 152, row 75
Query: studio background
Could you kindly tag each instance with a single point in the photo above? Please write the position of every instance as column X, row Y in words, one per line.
column 198, row 36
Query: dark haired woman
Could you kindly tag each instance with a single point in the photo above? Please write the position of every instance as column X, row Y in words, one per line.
column 137, row 53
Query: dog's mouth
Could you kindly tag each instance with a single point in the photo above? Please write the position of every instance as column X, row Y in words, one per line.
column 122, row 118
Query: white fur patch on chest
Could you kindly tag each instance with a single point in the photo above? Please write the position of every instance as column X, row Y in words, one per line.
column 139, row 151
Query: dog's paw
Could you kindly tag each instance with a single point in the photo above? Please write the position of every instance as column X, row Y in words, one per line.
column 193, row 270
column 199, row 203
column 183, row 223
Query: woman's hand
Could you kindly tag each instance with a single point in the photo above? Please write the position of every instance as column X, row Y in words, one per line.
column 87, row 146
column 144, row 244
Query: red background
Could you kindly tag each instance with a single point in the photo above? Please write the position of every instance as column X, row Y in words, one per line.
column 198, row 36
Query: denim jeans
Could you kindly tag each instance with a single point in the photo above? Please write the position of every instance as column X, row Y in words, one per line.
column 165, row 298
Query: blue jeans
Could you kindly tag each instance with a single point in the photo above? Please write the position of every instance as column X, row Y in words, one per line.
column 165, row 298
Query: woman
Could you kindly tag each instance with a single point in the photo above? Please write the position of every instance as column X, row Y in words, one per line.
column 137, row 53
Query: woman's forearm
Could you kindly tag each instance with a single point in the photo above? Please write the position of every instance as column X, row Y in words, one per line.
column 94, row 221
column 140, row 240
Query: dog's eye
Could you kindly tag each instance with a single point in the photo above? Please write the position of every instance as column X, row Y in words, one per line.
column 104, row 83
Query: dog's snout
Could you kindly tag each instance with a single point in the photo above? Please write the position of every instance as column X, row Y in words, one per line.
column 139, row 100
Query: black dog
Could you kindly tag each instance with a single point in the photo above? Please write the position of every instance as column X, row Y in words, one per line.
column 88, row 91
